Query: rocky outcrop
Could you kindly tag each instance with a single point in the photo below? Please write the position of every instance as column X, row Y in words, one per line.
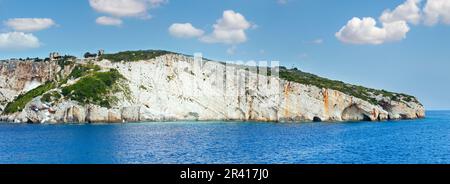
column 97, row 114
column 404, row 110
column 114, row 116
column 131, row 114
column 75, row 114
column 177, row 87
column 17, row 77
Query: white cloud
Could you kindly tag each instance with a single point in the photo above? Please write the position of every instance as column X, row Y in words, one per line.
column 365, row 31
column 117, row 9
column 185, row 30
column 409, row 11
column 394, row 25
column 108, row 21
column 437, row 11
column 120, row 8
column 230, row 29
column 395, row 22
column 18, row 41
column 29, row 24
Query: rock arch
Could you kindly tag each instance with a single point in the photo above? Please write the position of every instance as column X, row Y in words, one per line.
column 355, row 113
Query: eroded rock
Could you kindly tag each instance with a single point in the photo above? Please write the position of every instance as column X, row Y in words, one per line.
column 97, row 114
column 174, row 87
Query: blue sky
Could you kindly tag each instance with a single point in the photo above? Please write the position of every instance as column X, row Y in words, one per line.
column 412, row 56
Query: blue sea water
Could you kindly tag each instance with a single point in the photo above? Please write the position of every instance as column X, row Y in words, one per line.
column 414, row 141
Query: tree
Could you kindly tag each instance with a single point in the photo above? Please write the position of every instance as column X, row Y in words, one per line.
column 89, row 55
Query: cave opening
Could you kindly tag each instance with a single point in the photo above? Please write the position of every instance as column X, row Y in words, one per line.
column 317, row 119
column 366, row 118
column 355, row 113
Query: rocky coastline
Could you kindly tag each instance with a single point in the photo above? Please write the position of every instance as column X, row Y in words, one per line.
column 176, row 87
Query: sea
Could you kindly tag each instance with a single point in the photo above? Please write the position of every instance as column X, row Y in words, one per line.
column 423, row 141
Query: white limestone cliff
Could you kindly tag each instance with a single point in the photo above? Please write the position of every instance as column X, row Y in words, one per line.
column 175, row 87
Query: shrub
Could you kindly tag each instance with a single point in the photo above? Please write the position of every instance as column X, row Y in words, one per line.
column 143, row 87
column 49, row 97
column 82, row 70
column 134, row 55
column 361, row 92
column 22, row 100
column 66, row 60
column 95, row 89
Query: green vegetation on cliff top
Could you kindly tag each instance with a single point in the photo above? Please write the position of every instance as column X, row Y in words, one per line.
column 96, row 88
column 139, row 55
column 367, row 94
column 93, row 87
column 293, row 75
column 50, row 97
column 66, row 60
column 82, row 70
column 22, row 100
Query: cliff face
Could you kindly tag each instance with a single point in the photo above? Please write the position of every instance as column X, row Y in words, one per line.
column 177, row 87
column 20, row 77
